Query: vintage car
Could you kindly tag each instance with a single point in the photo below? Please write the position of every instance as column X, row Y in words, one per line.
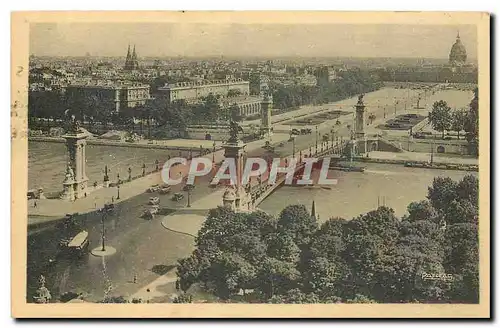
column 165, row 189
column 151, row 212
column 77, row 245
column 188, row 187
column 154, row 188
column 177, row 196
column 154, row 201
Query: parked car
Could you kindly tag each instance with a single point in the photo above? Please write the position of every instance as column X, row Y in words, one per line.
column 151, row 212
column 154, row 188
column 165, row 189
column 177, row 196
column 295, row 132
column 154, row 201
column 188, row 187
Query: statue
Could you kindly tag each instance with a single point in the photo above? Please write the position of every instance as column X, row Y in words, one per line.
column 74, row 124
column 234, row 129
column 360, row 99
column 42, row 293
column 70, row 175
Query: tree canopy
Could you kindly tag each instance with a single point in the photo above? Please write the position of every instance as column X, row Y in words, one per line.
column 375, row 257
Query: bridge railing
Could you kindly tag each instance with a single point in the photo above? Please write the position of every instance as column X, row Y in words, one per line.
column 260, row 191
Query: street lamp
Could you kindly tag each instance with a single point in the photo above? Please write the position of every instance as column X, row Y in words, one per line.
column 118, row 191
column 189, row 195
column 316, row 139
column 104, row 211
column 213, row 154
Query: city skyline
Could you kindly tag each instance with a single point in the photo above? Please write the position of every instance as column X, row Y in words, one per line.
column 250, row 40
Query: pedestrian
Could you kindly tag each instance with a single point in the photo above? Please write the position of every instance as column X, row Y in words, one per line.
column 177, row 284
column 112, row 199
column 135, row 278
column 34, row 204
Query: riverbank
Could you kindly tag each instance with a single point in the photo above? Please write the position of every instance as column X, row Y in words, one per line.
column 156, row 144
column 422, row 160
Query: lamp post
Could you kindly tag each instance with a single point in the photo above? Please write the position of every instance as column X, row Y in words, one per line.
column 118, row 178
column 118, row 192
column 189, row 196
column 106, row 177
column 103, row 229
column 316, row 139
column 213, row 153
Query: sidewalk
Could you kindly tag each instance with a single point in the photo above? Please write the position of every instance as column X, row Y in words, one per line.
column 188, row 221
column 152, row 290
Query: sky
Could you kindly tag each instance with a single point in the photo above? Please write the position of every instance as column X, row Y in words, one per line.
column 255, row 40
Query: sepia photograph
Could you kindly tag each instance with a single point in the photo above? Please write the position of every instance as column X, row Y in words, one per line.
column 335, row 161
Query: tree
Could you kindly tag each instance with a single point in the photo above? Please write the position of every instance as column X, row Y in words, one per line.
column 471, row 125
column 422, row 210
column 440, row 116
column 328, row 241
column 178, row 114
column 442, row 192
column 458, row 118
column 296, row 221
column 230, row 273
column 183, row 298
column 235, row 113
column 276, row 277
column 233, row 92
column 295, row 296
column 282, row 247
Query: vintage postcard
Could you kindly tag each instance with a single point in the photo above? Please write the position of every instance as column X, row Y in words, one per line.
column 250, row 164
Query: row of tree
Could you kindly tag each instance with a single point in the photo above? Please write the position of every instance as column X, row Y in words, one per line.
column 443, row 118
column 376, row 257
column 349, row 83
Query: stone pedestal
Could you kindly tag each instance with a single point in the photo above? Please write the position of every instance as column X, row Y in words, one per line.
column 360, row 126
column 68, row 192
column 75, row 144
column 266, row 107
column 236, row 197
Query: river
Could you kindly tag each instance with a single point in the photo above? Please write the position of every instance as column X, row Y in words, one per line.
column 46, row 163
column 356, row 193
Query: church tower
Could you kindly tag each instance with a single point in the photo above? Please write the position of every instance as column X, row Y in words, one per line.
column 131, row 63
column 135, row 63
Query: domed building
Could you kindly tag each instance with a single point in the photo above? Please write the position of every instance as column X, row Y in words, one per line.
column 458, row 54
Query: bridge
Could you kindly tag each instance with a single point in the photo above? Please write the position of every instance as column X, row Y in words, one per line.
column 260, row 191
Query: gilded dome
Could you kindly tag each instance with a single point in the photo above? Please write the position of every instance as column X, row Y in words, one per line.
column 458, row 54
